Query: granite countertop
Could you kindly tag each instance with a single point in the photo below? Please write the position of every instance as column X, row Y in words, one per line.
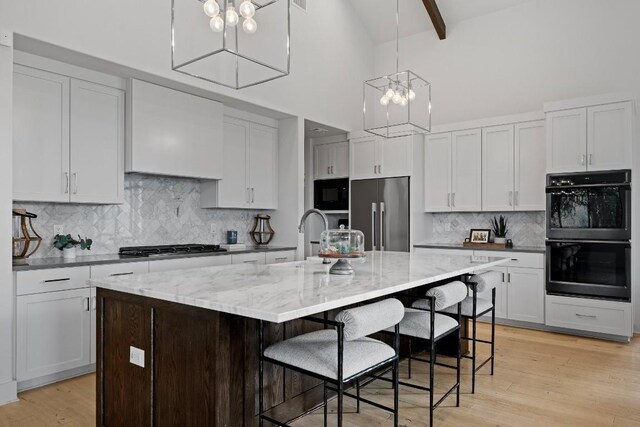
column 57, row 262
column 529, row 249
column 283, row 292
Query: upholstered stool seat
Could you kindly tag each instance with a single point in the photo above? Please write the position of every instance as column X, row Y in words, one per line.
column 317, row 352
column 483, row 305
column 416, row 323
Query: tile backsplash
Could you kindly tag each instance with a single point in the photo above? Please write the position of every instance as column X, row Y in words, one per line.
column 156, row 211
column 525, row 228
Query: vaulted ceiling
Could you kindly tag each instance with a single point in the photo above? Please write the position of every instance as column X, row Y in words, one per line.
column 378, row 16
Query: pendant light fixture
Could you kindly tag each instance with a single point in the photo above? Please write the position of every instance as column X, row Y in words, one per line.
column 397, row 104
column 234, row 43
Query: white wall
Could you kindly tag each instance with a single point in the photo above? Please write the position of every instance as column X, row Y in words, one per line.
column 326, row 42
column 514, row 60
column 7, row 385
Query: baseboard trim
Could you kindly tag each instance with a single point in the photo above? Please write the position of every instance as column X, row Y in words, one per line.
column 54, row 378
column 8, row 392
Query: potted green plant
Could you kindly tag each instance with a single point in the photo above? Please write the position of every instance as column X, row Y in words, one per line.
column 500, row 229
column 68, row 244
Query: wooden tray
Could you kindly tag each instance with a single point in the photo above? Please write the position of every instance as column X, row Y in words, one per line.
column 485, row 245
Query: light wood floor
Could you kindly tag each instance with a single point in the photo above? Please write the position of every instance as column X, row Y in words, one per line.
column 541, row 379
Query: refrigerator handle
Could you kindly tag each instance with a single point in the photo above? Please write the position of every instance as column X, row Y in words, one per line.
column 381, row 238
column 373, row 226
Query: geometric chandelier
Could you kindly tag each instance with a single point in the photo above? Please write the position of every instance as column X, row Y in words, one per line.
column 234, row 43
column 397, row 104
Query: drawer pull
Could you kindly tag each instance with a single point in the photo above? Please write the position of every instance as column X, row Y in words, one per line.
column 586, row 316
column 250, row 262
column 57, row 280
column 120, row 274
column 514, row 259
column 284, row 258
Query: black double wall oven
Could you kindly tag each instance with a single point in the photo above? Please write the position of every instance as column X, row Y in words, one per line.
column 588, row 234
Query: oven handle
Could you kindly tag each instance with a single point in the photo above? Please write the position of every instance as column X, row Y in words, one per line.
column 608, row 242
column 551, row 188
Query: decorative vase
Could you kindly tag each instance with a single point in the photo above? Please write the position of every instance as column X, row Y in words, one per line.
column 500, row 240
column 69, row 253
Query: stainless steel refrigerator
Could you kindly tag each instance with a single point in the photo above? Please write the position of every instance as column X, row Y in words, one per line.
column 380, row 209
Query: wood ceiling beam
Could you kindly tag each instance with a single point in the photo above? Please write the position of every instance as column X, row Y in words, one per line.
column 436, row 18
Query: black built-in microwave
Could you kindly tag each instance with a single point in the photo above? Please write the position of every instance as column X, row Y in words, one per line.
column 331, row 194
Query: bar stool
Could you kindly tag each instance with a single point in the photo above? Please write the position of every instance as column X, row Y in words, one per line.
column 472, row 308
column 423, row 323
column 341, row 355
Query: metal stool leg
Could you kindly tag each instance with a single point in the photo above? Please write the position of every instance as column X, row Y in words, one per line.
column 458, row 355
column 358, row 394
column 432, row 365
column 340, row 401
column 409, row 362
column 396, row 374
column 493, row 327
column 324, row 390
column 473, row 357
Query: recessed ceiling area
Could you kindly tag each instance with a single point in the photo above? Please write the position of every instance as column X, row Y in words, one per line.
column 317, row 130
column 378, row 16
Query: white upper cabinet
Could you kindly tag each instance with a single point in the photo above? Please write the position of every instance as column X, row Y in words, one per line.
column 437, row 173
column 76, row 151
column 40, row 135
column 497, row 168
column 596, row 136
column 331, row 160
column 609, row 133
column 263, row 171
column 97, row 143
column 529, row 178
column 364, row 159
column 377, row 157
column 567, row 140
column 173, row 133
column 250, row 164
column 466, row 170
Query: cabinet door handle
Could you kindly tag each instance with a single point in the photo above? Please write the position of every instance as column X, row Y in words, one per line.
column 379, row 168
column 510, row 198
column 253, row 193
column 331, row 170
column 328, row 170
column 66, row 185
column 516, row 198
column 375, row 168
column 508, row 277
column 453, row 200
column 373, row 226
column 586, row 316
column 590, row 158
column 381, row 226
column 502, row 277
column 75, row 183
column 57, row 280
column 448, row 200
column 582, row 159
column 121, row 274
column 87, row 304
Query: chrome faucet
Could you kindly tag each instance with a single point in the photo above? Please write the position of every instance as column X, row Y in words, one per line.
column 324, row 220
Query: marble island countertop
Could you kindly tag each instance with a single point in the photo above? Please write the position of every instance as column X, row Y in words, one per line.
column 57, row 262
column 283, row 292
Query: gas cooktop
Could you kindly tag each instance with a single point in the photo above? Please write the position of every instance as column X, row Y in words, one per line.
column 160, row 250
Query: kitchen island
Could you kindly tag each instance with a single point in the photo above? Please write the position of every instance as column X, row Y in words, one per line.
column 198, row 328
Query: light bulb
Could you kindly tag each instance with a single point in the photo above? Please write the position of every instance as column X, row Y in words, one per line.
column 217, row 24
column 389, row 94
column 231, row 16
column 249, row 25
column 384, row 100
column 396, row 98
column 247, row 9
column 211, row 8
column 404, row 101
column 412, row 95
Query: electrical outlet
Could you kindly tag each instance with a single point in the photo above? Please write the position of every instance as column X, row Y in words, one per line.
column 136, row 356
column 58, row 229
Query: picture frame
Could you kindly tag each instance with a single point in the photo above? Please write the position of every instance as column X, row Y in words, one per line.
column 479, row 235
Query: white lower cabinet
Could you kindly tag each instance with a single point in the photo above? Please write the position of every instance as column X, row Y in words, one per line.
column 280, row 257
column 250, row 258
column 591, row 315
column 185, row 263
column 52, row 332
column 525, row 294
